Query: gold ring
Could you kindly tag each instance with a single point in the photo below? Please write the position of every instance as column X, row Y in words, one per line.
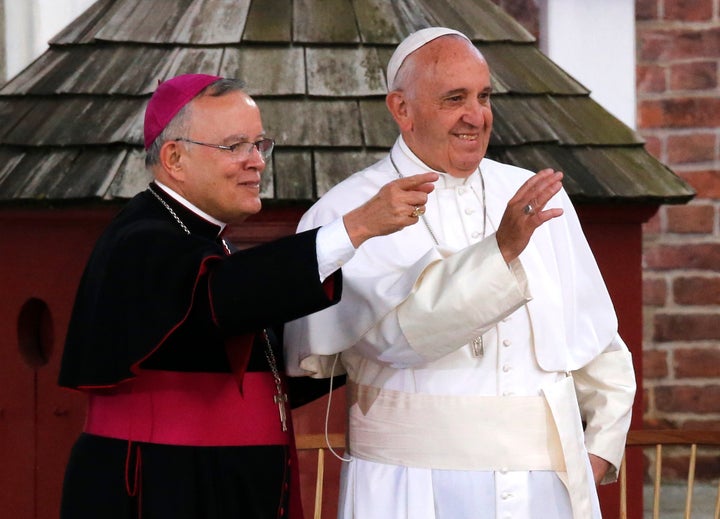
column 418, row 211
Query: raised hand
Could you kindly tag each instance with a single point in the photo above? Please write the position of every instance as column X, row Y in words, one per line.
column 525, row 212
column 397, row 205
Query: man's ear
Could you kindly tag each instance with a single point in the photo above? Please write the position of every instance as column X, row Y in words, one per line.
column 171, row 159
column 398, row 107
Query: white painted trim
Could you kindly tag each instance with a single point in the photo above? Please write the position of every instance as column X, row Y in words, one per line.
column 30, row 24
column 594, row 41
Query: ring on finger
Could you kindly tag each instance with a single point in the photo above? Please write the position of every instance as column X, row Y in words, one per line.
column 418, row 210
column 529, row 209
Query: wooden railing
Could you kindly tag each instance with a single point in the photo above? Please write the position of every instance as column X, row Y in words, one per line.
column 659, row 439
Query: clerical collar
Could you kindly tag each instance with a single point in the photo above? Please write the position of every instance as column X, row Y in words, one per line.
column 446, row 180
column 179, row 199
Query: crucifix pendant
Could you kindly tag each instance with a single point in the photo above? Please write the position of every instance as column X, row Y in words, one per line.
column 280, row 398
column 477, row 347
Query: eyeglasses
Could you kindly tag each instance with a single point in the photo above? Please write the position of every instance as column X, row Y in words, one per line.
column 240, row 149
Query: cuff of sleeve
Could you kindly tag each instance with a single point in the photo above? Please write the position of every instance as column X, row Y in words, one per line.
column 333, row 247
column 606, row 389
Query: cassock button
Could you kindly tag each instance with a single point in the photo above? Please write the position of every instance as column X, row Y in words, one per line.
column 475, row 235
column 506, row 495
column 507, row 367
column 461, row 190
column 507, row 342
column 469, row 211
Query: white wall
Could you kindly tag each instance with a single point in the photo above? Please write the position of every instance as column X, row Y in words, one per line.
column 594, row 41
column 30, row 24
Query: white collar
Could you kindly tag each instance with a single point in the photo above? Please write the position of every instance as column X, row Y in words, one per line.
column 181, row 200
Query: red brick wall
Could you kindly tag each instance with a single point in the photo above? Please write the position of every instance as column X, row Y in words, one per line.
column 678, row 62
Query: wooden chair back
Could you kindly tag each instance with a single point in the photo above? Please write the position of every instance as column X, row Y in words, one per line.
column 661, row 440
column 317, row 442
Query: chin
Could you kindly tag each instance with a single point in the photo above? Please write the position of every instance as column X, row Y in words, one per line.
column 465, row 168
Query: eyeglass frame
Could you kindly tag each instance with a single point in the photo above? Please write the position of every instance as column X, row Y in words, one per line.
column 233, row 147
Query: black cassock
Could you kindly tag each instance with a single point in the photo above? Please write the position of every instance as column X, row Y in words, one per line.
column 154, row 298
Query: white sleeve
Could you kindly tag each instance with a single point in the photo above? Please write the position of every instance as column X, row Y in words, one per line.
column 460, row 298
column 333, row 247
column 605, row 390
column 451, row 300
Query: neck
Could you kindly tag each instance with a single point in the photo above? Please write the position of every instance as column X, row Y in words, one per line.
column 189, row 205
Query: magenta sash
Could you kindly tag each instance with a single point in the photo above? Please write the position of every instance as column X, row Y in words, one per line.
column 193, row 409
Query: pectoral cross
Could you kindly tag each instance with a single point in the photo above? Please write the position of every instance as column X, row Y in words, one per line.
column 477, row 347
column 280, row 398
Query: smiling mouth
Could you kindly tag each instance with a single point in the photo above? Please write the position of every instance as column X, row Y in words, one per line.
column 250, row 183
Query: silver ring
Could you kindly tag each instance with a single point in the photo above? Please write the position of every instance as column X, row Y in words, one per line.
column 418, row 211
column 528, row 209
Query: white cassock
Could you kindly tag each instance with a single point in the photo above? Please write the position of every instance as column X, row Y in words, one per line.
column 439, row 427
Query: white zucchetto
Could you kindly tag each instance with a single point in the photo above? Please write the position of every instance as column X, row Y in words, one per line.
column 410, row 45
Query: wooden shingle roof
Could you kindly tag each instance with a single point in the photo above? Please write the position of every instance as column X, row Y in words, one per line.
column 72, row 121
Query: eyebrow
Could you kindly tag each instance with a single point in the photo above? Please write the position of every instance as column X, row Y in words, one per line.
column 457, row 91
column 242, row 137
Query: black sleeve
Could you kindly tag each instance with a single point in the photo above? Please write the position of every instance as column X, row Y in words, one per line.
column 270, row 283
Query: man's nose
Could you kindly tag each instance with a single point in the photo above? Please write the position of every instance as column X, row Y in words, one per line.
column 475, row 113
column 255, row 159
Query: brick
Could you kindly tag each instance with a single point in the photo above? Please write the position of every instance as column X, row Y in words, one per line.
column 689, row 148
column 669, row 327
column 688, row 10
column 673, row 45
column 654, row 291
column 653, row 45
column 654, row 146
column 696, row 290
column 651, row 79
column 688, row 399
column 707, row 425
column 696, row 362
column 655, row 364
column 676, row 462
column 706, row 466
column 694, row 76
column 659, row 423
column 705, row 182
column 646, row 10
column 681, row 112
column 702, row 256
column 687, row 219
